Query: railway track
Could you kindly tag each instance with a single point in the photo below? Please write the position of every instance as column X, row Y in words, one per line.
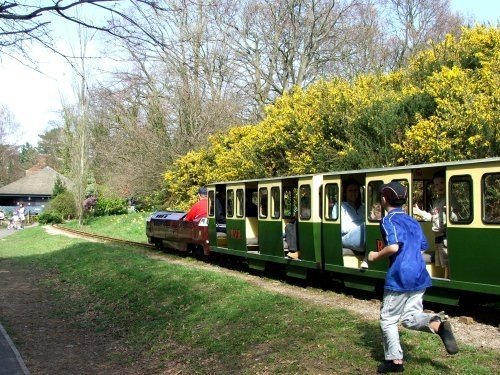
column 478, row 313
column 102, row 238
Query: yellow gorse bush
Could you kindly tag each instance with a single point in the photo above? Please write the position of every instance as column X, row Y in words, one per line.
column 465, row 123
column 443, row 106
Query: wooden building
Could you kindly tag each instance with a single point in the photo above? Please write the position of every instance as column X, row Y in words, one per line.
column 34, row 190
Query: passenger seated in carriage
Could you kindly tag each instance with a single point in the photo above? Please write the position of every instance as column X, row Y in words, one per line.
column 291, row 228
column 290, row 237
column 353, row 222
column 353, row 217
column 220, row 212
column 376, row 211
column 199, row 209
column 251, row 208
column 437, row 215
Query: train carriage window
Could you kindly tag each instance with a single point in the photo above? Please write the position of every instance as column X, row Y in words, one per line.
column 423, row 194
column 251, row 203
column 263, row 203
column 289, row 202
column 491, row 198
column 211, row 205
column 230, row 203
column 275, row 202
column 331, row 201
column 240, row 202
column 373, row 201
column 305, row 202
column 461, row 200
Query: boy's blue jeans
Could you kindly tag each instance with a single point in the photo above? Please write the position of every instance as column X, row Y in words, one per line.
column 406, row 307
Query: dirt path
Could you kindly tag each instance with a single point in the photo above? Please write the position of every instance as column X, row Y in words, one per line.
column 52, row 345
column 49, row 344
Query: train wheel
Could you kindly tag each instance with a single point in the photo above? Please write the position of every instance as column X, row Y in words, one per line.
column 158, row 244
column 197, row 251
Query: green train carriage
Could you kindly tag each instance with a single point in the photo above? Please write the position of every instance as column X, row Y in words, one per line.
column 257, row 233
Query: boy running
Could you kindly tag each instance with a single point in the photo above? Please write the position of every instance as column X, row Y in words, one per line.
column 406, row 280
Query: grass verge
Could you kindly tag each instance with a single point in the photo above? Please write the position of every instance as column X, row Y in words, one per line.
column 131, row 227
column 214, row 323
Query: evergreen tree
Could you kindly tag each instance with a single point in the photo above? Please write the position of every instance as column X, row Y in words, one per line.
column 59, row 187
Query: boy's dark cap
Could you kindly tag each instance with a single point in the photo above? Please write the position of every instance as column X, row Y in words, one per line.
column 202, row 190
column 394, row 193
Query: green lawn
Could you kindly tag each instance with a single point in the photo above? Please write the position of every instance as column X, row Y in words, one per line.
column 131, row 227
column 214, row 323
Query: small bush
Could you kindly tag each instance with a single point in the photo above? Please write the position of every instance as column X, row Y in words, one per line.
column 49, row 218
column 89, row 203
column 110, row 206
column 63, row 206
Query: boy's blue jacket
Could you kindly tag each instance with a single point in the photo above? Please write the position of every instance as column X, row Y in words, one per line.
column 407, row 272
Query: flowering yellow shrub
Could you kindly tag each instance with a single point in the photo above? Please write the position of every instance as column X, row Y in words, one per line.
column 465, row 123
column 443, row 106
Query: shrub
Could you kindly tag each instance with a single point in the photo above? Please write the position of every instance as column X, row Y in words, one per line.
column 49, row 217
column 110, row 206
column 63, row 206
column 89, row 203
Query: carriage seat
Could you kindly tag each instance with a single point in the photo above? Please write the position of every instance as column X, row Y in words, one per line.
column 252, row 241
column 351, row 258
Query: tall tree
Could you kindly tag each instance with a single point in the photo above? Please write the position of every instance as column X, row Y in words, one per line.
column 411, row 24
column 278, row 44
column 11, row 168
column 51, row 147
column 76, row 120
column 186, row 68
column 23, row 21
column 8, row 124
column 28, row 156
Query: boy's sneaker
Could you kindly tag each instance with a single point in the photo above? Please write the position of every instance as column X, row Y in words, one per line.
column 364, row 265
column 446, row 334
column 389, row 366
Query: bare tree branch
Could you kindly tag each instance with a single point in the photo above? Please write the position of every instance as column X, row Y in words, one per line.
column 21, row 21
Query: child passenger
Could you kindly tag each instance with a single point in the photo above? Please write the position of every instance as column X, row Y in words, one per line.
column 406, row 280
column 437, row 216
column 376, row 212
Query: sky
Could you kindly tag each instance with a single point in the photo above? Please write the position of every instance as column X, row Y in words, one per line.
column 35, row 98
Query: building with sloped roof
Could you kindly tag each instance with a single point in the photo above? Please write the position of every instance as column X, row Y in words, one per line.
column 34, row 190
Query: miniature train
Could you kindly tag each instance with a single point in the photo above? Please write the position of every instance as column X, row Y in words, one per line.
column 257, row 211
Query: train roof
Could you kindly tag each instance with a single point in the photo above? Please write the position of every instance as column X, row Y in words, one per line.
column 366, row 170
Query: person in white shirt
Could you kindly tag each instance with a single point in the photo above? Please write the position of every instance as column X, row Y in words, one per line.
column 437, row 215
column 352, row 214
column 21, row 215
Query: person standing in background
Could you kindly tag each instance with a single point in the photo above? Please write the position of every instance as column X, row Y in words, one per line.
column 21, row 212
